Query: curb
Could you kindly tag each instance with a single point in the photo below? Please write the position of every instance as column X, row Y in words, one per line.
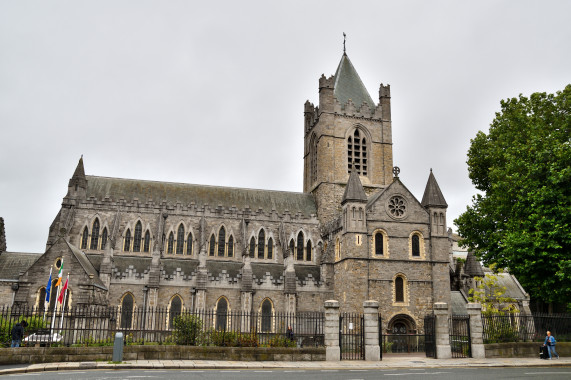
column 212, row 365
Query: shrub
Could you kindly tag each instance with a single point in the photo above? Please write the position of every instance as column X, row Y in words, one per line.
column 187, row 330
column 281, row 341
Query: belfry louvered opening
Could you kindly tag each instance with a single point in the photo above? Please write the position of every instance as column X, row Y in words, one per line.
column 357, row 153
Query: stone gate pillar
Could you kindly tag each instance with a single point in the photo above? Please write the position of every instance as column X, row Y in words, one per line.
column 442, row 327
column 476, row 330
column 332, row 350
column 371, row 316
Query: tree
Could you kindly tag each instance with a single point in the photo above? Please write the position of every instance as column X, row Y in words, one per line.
column 521, row 221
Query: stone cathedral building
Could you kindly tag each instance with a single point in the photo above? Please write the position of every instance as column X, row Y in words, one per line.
column 355, row 232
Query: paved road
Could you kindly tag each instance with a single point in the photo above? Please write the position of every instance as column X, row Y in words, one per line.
column 520, row 373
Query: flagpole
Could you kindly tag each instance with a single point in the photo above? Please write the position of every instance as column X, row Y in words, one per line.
column 54, row 313
column 63, row 303
column 47, row 303
column 55, row 303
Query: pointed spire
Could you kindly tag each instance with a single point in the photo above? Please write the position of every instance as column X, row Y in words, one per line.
column 432, row 194
column 348, row 85
column 354, row 190
column 78, row 179
column 79, row 170
column 472, row 267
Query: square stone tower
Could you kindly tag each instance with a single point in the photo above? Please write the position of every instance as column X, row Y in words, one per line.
column 346, row 132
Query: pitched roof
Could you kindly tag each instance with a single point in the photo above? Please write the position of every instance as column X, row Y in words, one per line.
column 348, row 85
column 14, row 263
column 432, row 194
column 354, row 190
column 86, row 264
column 129, row 189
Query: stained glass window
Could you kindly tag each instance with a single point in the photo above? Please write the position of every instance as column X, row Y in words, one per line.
column 180, row 240
column 95, row 234
column 137, row 237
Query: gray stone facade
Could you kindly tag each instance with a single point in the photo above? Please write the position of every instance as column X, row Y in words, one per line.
column 355, row 234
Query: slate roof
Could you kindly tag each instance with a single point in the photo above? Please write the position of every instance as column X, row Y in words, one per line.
column 348, row 85
column 512, row 286
column 302, row 272
column 354, row 190
column 187, row 267
column 215, row 268
column 128, row 189
column 432, row 194
column 472, row 267
column 86, row 264
column 14, row 263
column 458, row 303
column 276, row 271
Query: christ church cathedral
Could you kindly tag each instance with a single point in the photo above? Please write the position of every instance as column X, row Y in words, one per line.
column 355, row 233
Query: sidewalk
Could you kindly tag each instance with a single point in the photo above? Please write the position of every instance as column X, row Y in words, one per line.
column 394, row 362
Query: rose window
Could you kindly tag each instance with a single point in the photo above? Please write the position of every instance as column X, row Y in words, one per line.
column 397, row 206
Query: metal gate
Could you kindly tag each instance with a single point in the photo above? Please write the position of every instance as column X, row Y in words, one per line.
column 352, row 336
column 430, row 336
column 460, row 336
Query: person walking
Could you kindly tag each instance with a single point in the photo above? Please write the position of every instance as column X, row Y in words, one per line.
column 550, row 343
column 18, row 333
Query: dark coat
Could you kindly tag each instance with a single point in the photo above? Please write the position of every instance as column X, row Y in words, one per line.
column 17, row 332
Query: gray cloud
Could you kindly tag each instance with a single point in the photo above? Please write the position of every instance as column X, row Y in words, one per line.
column 213, row 93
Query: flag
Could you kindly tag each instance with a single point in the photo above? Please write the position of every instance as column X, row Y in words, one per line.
column 59, row 274
column 62, row 292
column 49, row 287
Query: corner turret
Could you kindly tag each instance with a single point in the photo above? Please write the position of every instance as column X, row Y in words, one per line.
column 433, row 201
column 354, row 201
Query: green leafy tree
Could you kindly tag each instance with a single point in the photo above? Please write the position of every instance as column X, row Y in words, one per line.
column 521, row 220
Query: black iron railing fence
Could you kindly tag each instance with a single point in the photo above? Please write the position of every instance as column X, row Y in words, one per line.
column 522, row 327
column 98, row 325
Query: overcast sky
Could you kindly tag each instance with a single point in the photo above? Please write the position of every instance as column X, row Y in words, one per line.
column 212, row 92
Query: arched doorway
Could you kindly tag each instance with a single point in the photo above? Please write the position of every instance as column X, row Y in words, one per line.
column 401, row 336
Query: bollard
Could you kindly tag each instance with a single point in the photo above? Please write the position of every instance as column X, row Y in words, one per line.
column 118, row 348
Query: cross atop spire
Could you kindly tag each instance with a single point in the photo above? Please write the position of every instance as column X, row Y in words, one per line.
column 344, row 38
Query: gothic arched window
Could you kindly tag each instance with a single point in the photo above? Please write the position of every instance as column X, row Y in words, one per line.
column 270, row 248
column 399, row 289
column 221, row 313
column 313, row 158
column 379, row 249
column 221, row 241
column 127, row 306
column 357, row 153
column 231, row 246
column 261, row 243
column 147, row 242
column 308, row 251
column 175, row 309
column 266, row 315
column 212, row 247
column 138, row 236
column 189, row 244
column 252, row 247
column 170, row 243
column 415, row 245
column 180, row 240
column 104, row 238
column 127, row 245
column 95, row 234
column 300, row 246
column 84, row 238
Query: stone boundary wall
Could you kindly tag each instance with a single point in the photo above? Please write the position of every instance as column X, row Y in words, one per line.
column 523, row 349
column 32, row 355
